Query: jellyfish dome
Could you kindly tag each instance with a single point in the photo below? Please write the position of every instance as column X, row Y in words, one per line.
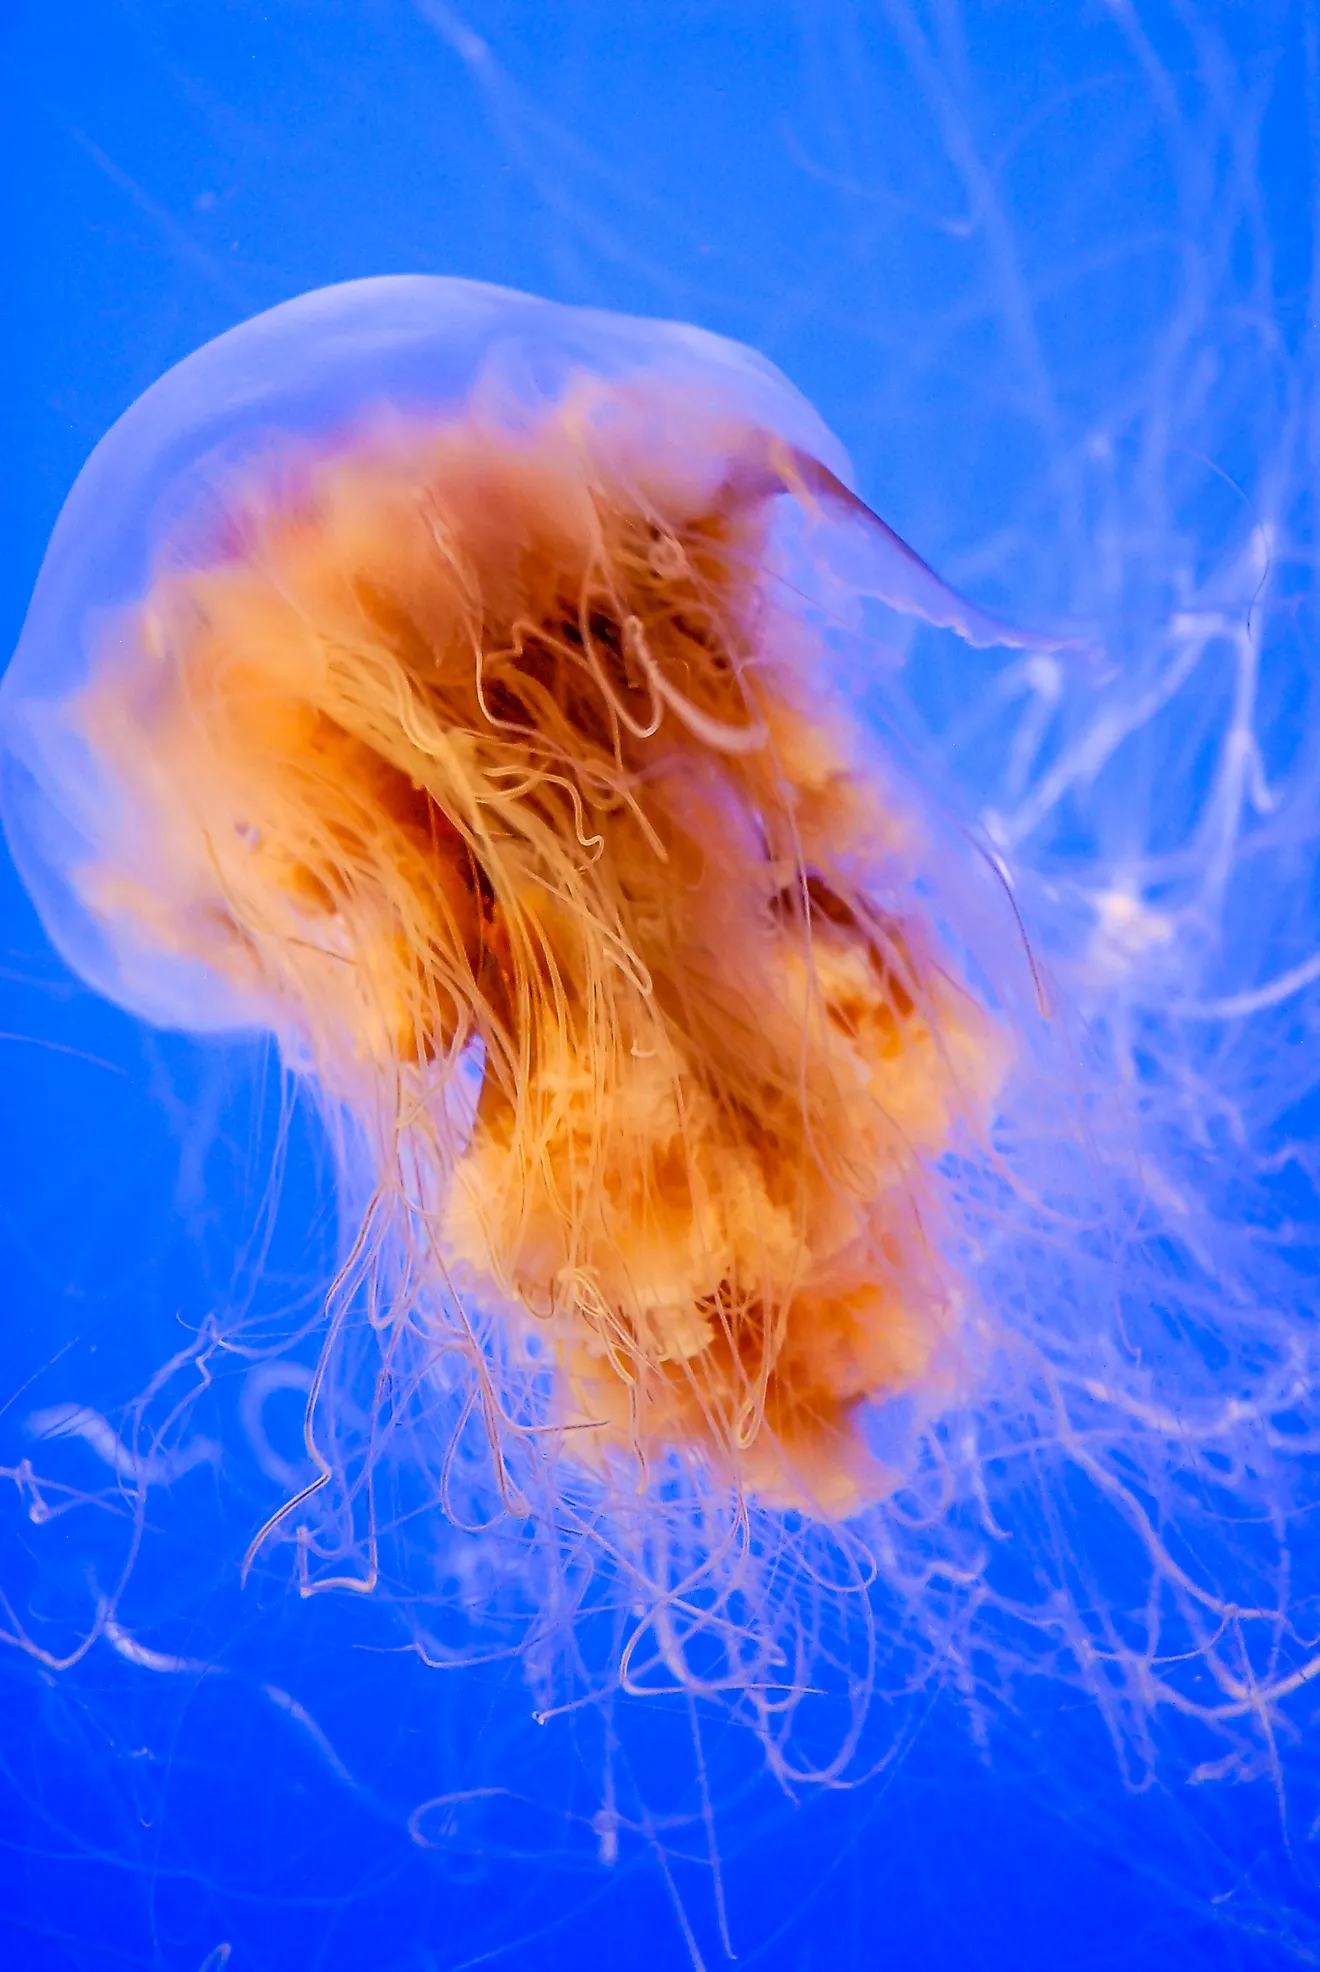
column 270, row 398
column 458, row 687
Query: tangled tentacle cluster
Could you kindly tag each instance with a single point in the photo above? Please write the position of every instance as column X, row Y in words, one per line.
column 462, row 748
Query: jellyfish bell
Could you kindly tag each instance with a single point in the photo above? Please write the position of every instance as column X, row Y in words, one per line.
column 323, row 363
column 454, row 684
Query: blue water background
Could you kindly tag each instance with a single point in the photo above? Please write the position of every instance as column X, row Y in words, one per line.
column 961, row 233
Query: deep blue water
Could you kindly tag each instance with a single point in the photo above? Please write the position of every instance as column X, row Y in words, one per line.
column 968, row 235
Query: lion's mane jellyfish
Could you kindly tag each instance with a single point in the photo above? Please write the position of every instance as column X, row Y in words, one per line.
column 450, row 683
column 776, row 1264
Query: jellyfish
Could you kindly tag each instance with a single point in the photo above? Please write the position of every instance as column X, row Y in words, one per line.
column 746, row 1203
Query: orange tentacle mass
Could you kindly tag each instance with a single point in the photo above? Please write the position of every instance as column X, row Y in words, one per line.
column 513, row 743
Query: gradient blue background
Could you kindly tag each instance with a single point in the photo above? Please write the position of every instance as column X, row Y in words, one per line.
column 964, row 233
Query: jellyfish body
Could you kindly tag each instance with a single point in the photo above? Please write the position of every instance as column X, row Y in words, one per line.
column 448, row 683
